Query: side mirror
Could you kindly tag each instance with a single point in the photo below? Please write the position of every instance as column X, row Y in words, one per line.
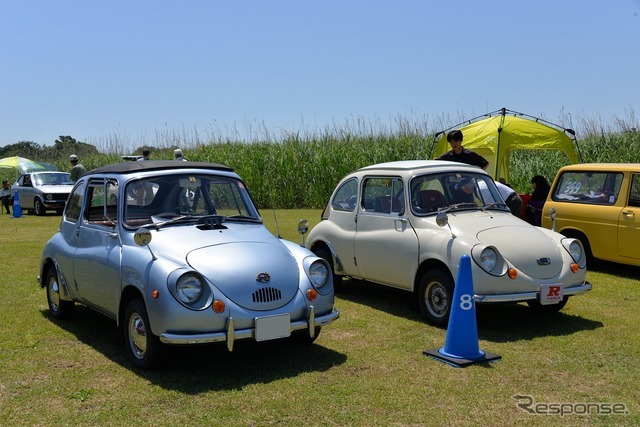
column 142, row 237
column 442, row 219
column 303, row 227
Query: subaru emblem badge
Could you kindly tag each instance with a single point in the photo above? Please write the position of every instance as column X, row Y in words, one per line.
column 544, row 261
column 263, row 277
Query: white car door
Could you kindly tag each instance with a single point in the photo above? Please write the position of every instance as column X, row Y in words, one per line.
column 386, row 246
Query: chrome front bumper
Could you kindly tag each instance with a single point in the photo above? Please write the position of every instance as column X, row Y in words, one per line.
column 526, row 296
column 231, row 334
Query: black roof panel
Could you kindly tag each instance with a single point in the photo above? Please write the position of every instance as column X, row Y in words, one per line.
column 150, row 165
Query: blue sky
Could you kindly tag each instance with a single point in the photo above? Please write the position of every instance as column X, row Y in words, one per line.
column 92, row 69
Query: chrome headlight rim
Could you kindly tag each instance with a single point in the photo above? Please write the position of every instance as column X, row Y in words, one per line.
column 178, row 276
column 189, row 288
column 575, row 249
column 319, row 274
column 489, row 259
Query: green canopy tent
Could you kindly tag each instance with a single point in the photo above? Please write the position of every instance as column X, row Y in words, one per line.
column 496, row 135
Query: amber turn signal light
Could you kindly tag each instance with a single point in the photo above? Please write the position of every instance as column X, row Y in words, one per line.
column 512, row 273
column 312, row 294
column 575, row 267
column 218, row 306
column 155, row 294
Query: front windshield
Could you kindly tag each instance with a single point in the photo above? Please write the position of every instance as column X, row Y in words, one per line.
column 161, row 198
column 454, row 190
column 52, row 179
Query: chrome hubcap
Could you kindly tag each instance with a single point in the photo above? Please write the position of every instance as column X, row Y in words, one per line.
column 137, row 335
column 437, row 300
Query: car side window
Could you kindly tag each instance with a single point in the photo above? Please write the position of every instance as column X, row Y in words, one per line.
column 346, row 196
column 100, row 211
column 383, row 195
column 600, row 188
column 634, row 192
column 74, row 204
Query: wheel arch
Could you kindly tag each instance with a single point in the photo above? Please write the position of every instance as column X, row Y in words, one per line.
column 584, row 239
column 427, row 265
column 337, row 265
column 128, row 294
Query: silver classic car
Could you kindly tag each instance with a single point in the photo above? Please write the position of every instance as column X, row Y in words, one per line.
column 407, row 224
column 176, row 253
column 43, row 191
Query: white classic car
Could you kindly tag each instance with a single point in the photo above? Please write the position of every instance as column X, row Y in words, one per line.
column 176, row 253
column 42, row 191
column 406, row 225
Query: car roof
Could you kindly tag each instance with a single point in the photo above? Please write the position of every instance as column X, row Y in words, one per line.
column 417, row 165
column 154, row 165
column 626, row 167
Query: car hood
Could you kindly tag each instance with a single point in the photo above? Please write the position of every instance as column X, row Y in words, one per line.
column 245, row 262
column 54, row 188
column 524, row 246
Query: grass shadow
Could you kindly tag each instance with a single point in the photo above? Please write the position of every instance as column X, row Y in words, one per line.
column 496, row 322
column 619, row 270
column 197, row 369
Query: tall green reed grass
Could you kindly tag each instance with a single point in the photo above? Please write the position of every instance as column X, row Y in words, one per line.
column 301, row 169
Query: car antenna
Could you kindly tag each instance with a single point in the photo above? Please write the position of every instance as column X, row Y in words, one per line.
column 273, row 209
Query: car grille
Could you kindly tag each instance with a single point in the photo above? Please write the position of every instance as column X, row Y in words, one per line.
column 267, row 295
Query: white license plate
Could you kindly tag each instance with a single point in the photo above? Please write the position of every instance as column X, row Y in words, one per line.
column 272, row 327
column 550, row 294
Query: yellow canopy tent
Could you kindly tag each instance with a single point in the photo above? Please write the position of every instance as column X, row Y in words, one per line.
column 496, row 135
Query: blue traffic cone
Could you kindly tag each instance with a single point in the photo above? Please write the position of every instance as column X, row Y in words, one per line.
column 17, row 209
column 461, row 345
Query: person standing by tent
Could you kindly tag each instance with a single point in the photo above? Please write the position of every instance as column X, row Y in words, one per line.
column 460, row 154
column 5, row 195
column 541, row 190
column 77, row 170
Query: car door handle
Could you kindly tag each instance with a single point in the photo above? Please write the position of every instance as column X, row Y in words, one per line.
column 628, row 213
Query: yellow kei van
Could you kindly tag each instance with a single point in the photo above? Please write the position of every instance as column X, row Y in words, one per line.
column 599, row 204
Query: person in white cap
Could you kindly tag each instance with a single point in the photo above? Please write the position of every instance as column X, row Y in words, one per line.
column 77, row 170
column 177, row 155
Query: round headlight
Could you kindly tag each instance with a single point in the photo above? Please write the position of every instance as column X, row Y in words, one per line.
column 488, row 259
column 318, row 273
column 575, row 249
column 189, row 288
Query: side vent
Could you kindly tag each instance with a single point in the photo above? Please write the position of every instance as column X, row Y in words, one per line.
column 267, row 295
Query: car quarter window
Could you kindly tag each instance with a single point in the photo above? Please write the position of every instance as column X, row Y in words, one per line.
column 346, row 196
column 634, row 193
column 383, row 195
column 601, row 188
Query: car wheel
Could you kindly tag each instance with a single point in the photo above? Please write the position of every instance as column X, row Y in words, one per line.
column 435, row 295
column 302, row 337
column 323, row 252
column 142, row 346
column 59, row 308
column 38, row 207
column 547, row 308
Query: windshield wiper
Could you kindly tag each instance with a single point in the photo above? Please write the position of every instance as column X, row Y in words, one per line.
column 459, row 206
column 494, row 205
column 243, row 218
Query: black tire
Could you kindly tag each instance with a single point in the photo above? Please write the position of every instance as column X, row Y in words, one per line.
column 435, row 296
column 38, row 207
column 58, row 308
column 144, row 348
column 323, row 252
column 547, row 308
column 302, row 337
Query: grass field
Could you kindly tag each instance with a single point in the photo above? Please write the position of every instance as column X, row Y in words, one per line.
column 367, row 368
